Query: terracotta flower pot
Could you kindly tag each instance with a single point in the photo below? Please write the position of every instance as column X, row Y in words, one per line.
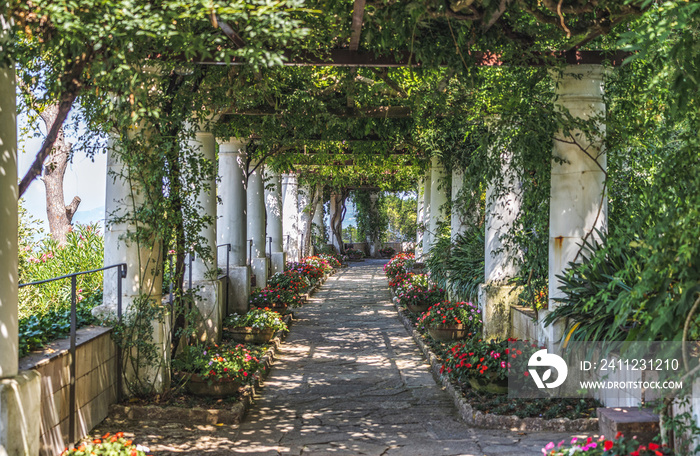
column 447, row 332
column 418, row 309
column 200, row 386
column 247, row 334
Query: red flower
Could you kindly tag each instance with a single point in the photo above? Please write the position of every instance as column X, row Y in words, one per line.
column 634, row 453
column 653, row 446
column 607, row 445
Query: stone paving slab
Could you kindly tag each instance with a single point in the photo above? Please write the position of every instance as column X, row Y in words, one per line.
column 349, row 381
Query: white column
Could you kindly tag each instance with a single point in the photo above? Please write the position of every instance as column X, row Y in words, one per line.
column 205, row 270
column 319, row 227
column 426, row 215
column 143, row 259
column 273, row 204
column 438, row 197
column 232, row 221
column 503, row 200
column 256, row 224
column 9, row 195
column 419, row 218
column 304, row 198
column 144, row 268
column 374, row 244
column 20, row 393
column 290, row 216
column 577, row 204
column 457, row 225
column 334, row 200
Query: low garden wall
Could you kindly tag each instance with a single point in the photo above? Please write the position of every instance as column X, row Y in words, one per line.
column 96, row 374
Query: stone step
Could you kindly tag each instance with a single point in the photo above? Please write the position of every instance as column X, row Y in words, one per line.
column 636, row 422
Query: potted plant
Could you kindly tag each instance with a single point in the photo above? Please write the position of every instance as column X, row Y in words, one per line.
column 291, row 280
column 112, row 445
column 333, row 260
column 387, row 252
column 217, row 370
column 277, row 299
column 484, row 365
column 354, row 254
column 417, row 294
column 399, row 264
column 451, row 321
column 319, row 263
column 256, row 326
column 305, row 269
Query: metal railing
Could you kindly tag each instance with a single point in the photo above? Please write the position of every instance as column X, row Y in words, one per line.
column 121, row 275
column 228, row 268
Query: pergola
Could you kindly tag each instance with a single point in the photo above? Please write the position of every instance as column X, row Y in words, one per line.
column 272, row 216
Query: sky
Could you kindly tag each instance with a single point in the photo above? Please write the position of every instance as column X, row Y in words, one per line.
column 84, row 178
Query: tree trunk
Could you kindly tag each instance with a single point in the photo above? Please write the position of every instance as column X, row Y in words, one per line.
column 308, row 231
column 337, row 221
column 60, row 216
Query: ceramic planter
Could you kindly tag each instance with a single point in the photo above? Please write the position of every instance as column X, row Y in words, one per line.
column 200, row 386
column 250, row 335
column 418, row 308
column 447, row 332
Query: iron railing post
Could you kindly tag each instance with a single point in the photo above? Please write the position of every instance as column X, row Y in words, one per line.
column 73, row 328
column 228, row 269
column 121, row 275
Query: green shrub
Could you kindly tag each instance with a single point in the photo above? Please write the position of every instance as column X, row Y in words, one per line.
column 458, row 268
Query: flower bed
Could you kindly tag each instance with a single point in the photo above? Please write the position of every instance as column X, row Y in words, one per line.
column 449, row 313
column 319, row 263
column 257, row 319
column 275, row 298
column 332, row 259
column 387, row 252
column 108, row 445
column 307, row 270
column 290, row 280
column 619, row 446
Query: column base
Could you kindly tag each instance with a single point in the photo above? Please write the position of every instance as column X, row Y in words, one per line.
column 278, row 260
column 259, row 270
column 153, row 376
column 549, row 336
column 209, row 303
column 20, row 414
column 495, row 301
column 239, row 290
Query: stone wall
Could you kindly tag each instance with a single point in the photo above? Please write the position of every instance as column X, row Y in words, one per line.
column 96, row 374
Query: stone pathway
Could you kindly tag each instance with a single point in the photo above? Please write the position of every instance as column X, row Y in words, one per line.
column 349, row 381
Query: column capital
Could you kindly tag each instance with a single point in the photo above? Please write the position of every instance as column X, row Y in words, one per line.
column 232, row 146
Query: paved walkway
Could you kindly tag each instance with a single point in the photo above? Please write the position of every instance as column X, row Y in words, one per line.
column 349, row 381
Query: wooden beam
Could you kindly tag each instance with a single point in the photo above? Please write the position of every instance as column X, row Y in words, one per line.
column 387, row 112
column 359, row 59
column 358, row 13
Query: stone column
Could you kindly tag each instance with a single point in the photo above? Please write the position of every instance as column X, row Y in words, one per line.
column 457, row 226
column 304, row 199
column 20, row 393
column 232, row 221
column 502, row 208
column 426, row 215
column 419, row 218
column 205, row 270
column 273, row 204
column 144, row 267
column 256, row 224
column 374, row 243
column 438, row 197
column 290, row 215
column 578, row 204
column 334, row 241
column 318, row 226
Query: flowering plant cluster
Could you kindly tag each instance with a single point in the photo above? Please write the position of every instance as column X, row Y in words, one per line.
column 333, row 260
column 113, row 445
column 399, row 264
column 387, row 252
column 452, row 313
column 305, row 269
column 409, row 283
column 355, row 253
column 422, row 297
column 396, row 281
column 275, row 297
column 476, row 358
column 220, row 362
column 319, row 263
column 256, row 319
column 291, row 280
column 619, row 446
